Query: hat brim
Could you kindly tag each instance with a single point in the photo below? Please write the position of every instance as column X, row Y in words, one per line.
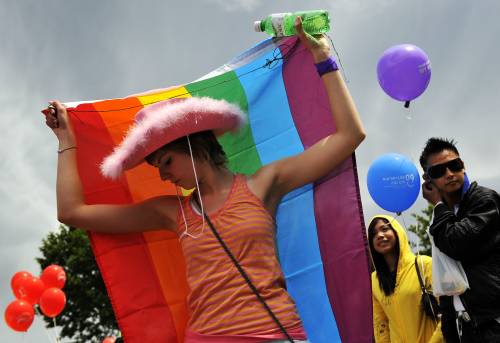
column 166, row 121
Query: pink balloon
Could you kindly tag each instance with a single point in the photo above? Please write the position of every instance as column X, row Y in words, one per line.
column 54, row 276
column 19, row 315
column 52, row 302
column 109, row 340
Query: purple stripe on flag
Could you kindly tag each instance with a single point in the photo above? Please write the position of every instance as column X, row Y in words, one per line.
column 338, row 210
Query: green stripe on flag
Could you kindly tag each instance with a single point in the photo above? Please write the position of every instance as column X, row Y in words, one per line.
column 240, row 147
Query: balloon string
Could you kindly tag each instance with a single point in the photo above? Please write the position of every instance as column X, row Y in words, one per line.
column 58, row 339
column 49, row 336
column 409, row 117
column 399, row 214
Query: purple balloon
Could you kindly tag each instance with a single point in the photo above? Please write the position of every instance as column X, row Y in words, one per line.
column 404, row 72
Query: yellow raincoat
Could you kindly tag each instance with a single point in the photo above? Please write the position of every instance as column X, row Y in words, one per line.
column 399, row 318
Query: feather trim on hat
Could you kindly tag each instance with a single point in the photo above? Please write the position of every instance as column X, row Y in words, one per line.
column 164, row 122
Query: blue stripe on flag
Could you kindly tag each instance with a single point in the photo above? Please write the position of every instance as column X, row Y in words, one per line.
column 276, row 137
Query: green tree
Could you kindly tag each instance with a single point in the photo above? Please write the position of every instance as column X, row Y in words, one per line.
column 420, row 229
column 88, row 315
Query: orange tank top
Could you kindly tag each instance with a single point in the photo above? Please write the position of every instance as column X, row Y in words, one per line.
column 220, row 301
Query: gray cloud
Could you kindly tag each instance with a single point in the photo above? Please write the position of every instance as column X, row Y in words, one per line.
column 104, row 49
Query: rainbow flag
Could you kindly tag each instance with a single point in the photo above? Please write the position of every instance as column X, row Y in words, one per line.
column 320, row 229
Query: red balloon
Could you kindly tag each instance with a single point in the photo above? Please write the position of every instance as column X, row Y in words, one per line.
column 109, row 340
column 19, row 315
column 52, row 302
column 17, row 283
column 32, row 289
column 53, row 276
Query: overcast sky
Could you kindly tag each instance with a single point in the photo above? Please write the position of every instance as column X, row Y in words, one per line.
column 82, row 50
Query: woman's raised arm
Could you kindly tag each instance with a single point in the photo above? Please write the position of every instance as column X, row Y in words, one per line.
column 151, row 214
column 285, row 175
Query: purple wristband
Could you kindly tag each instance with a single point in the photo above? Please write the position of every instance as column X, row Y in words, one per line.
column 326, row 66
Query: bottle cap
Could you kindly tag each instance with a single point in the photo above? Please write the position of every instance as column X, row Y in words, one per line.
column 256, row 26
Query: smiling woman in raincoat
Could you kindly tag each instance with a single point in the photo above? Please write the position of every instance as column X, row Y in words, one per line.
column 397, row 313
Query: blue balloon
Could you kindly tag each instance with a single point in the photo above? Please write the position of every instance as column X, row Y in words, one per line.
column 393, row 182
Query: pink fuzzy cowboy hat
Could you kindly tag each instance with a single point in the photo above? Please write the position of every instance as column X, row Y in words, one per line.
column 164, row 122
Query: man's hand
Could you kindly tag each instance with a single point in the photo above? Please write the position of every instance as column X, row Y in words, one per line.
column 430, row 193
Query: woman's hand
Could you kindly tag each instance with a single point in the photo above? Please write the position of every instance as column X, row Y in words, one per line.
column 57, row 119
column 318, row 46
column 282, row 176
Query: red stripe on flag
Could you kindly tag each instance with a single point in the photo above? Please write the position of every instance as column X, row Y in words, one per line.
column 124, row 261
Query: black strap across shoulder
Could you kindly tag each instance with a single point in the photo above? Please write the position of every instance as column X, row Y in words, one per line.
column 245, row 276
column 422, row 286
column 430, row 304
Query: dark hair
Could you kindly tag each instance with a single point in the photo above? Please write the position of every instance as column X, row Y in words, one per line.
column 435, row 145
column 204, row 145
column 386, row 279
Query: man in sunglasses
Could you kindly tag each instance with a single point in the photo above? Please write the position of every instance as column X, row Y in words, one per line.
column 466, row 227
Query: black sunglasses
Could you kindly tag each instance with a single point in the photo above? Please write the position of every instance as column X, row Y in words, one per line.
column 438, row 170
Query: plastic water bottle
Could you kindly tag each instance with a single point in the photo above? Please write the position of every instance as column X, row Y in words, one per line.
column 283, row 24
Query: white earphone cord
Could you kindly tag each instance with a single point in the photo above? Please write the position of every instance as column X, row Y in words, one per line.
column 186, row 232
